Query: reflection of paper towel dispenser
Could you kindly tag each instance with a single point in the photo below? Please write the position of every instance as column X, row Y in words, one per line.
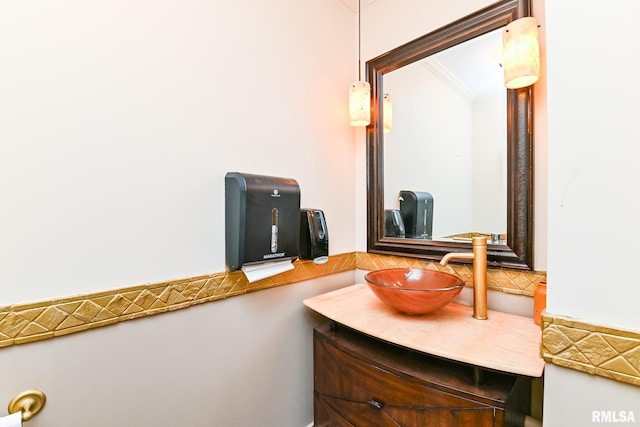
column 262, row 219
column 417, row 213
column 314, row 236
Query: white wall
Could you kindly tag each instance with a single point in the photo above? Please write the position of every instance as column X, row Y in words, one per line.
column 592, row 63
column 593, row 171
column 571, row 398
column 118, row 122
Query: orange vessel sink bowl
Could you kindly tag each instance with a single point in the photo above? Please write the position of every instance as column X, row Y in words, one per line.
column 414, row 290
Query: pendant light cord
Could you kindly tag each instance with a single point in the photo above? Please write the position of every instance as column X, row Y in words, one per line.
column 359, row 46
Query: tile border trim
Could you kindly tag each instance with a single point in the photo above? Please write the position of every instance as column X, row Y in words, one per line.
column 35, row 321
column 595, row 349
column 23, row 323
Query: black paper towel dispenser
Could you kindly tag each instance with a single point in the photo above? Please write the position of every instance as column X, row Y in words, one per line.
column 261, row 219
column 314, row 236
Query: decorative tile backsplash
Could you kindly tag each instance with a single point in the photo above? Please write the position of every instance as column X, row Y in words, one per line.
column 589, row 348
column 500, row 279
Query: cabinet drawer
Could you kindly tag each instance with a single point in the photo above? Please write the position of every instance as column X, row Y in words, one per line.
column 347, row 377
column 337, row 413
column 361, row 381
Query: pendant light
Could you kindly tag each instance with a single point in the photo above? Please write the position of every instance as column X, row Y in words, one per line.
column 359, row 93
column 521, row 53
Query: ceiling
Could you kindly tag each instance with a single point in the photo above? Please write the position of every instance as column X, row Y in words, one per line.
column 353, row 4
column 475, row 64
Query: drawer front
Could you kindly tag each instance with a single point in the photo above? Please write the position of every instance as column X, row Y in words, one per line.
column 350, row 391
column 331, row 412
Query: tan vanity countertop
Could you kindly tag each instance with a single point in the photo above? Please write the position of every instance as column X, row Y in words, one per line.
column 504, row 342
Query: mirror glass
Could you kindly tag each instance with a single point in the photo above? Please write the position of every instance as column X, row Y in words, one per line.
column 459, row 99
column 457, row 162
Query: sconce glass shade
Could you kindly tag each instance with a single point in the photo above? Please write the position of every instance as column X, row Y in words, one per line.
column 360, row 103
column 387, row 112
column 521, row 53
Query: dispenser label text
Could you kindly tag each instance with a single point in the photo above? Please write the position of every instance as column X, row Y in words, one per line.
column 274, row 255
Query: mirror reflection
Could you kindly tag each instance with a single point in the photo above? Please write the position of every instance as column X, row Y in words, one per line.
column 448, row 144
column 463, row 172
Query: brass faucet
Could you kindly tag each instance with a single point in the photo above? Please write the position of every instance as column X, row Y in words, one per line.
column 479, row 257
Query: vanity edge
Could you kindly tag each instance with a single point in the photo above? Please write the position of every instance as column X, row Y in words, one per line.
column 504, row 342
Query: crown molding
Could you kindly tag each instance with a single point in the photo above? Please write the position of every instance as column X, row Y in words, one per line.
column 353, row 4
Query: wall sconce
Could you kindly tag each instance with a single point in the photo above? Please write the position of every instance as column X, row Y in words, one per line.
column 360, row 93
column 521, row 53
column 387, row 113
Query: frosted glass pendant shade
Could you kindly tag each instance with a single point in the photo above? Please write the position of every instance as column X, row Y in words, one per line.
column 360, row 104
column 387, row 112
column 521, row 53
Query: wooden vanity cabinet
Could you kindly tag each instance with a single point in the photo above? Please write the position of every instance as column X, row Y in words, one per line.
column 363, row 381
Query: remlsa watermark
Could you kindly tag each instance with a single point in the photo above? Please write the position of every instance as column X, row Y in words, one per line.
column 606, row 417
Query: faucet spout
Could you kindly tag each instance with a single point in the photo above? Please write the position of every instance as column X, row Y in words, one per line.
column 455, row 255
column 479, row 257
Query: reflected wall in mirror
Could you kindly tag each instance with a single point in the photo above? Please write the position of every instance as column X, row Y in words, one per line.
column 466, row 146
column 459, row 99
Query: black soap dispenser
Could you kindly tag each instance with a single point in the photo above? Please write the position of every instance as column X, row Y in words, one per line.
column 393, row 223
column 314, row 237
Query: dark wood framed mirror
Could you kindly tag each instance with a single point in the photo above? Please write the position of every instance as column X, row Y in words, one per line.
column 517, row 252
